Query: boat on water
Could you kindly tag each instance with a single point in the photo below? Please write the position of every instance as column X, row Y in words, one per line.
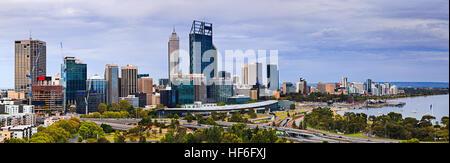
column 414, row 111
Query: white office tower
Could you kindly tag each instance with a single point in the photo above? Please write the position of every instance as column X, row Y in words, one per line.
column 244, row 74
column 272, row 77
column 393, row 90
column 344, row 82
column 255, row 73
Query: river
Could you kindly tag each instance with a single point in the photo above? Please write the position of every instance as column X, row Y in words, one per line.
column 415, row 107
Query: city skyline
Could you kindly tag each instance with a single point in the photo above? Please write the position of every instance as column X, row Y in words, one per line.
column 323, row 53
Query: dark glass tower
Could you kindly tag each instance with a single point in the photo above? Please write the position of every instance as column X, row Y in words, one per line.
column 201, row 44
column 73, row 73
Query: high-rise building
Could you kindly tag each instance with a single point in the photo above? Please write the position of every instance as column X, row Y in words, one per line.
column 255, row 73
column 224, row 75
column 302, row 86
column 145, row 85
column 288, row 87
column 202, row 51
column 47, row 97
column 27, row 54
column 112, row 83
column 321, row 87
column 368, row 86
column 129, row 80
column 95, row 94
column 244, row 74
column 272, row 77
column 235, row 80
column 219, row 90
column 163, row 82
column 97, row 86
column 168, row 98
column 330, row 88
column 344, row 82
column 56, row 79
column 73, row 73
column 174, row 46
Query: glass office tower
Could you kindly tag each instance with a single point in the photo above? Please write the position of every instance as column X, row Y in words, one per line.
column 73, row 73
column 201, row 44
column 112, row 83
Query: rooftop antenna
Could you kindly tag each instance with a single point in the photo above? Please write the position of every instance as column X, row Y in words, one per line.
column 30, row 35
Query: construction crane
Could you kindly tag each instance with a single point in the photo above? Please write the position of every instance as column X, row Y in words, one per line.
column 31, row 74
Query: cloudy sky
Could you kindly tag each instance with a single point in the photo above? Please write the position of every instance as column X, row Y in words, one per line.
column 385, row 40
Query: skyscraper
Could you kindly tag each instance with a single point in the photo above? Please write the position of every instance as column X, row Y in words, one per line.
column 73, row 73
column 145, row 85
column 272, row 77
column 26, row 54
column 174, row 46
column 129, row 80
column 97, row 86
column 112, row 83
column 47, row 97
column 302, row 86
column 202, row 52
column 368, row 86
column 255, row 73
column 344, row 82
column 94, row 94
column 244, row 74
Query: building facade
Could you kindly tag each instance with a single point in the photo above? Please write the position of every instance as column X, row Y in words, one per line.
column 74, row 75
column 129, row 80
column 47, row 98
column 173, row 56
column 272, row 77
column 145, row 85
column 202, row 51
column 112, row 83
column 29, row 55
column 255, row 73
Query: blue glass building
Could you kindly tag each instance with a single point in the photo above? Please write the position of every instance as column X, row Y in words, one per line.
column 168, row 98
column 184, row 93
column 73, row 74
column 201, row 44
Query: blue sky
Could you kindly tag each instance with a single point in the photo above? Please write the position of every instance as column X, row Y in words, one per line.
column 402, row 40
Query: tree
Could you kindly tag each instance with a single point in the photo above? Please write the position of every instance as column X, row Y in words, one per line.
column 90, row 130
column 213, row 134
column 176, row 116
column 231, row 138
column 107, row 128
column 189, row 117
column 413, row 140
column 15, row 140
column 102, row 140
column 142, row 139
column 101, row 108
column 444, row 121
column 252, row 113
column 292, row 107
column 221, row 104
column 124, row 105
column 119, row 138
column 115, row 107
